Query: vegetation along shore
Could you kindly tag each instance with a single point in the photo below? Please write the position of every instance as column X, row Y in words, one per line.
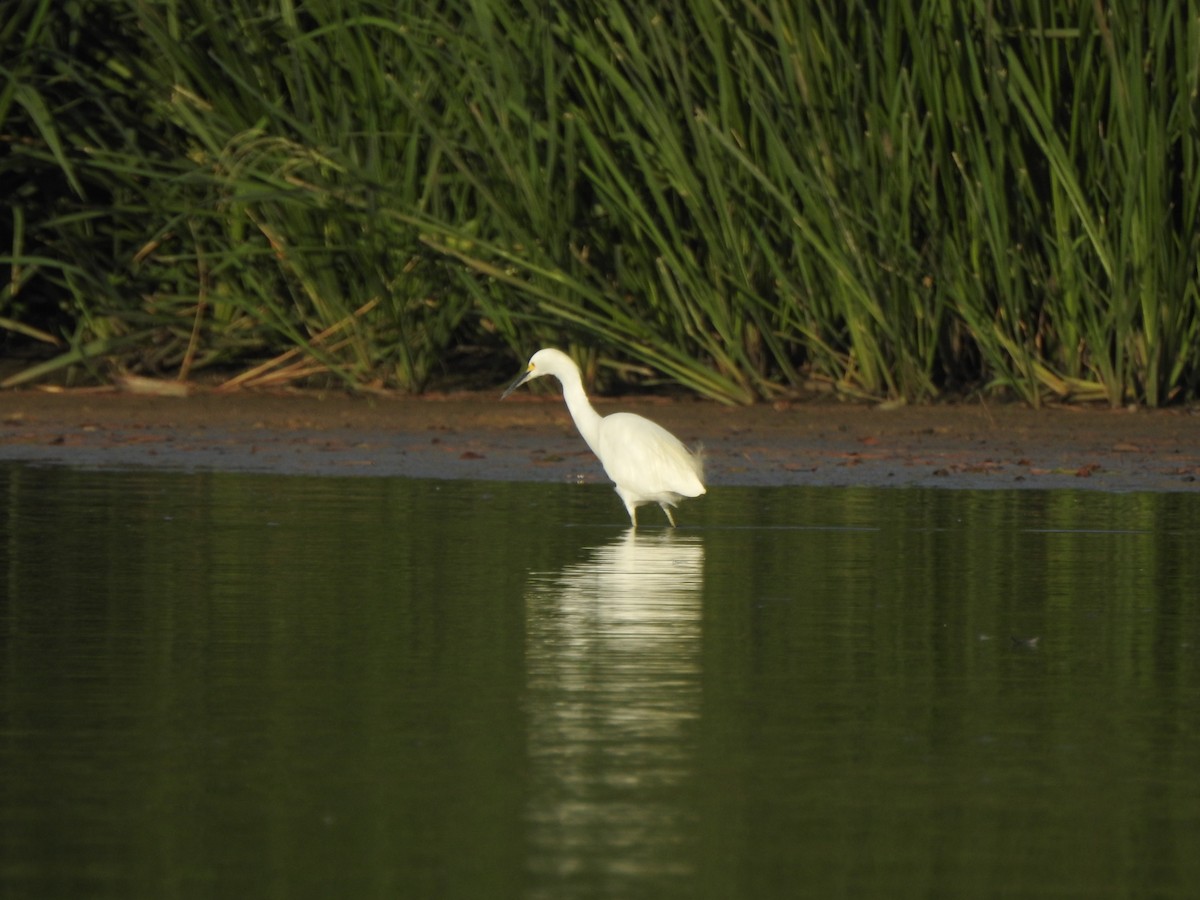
column 903, row 201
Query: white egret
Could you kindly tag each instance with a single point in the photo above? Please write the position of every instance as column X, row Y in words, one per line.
column 646, row 462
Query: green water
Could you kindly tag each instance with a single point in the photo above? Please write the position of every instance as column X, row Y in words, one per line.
column 247, row 686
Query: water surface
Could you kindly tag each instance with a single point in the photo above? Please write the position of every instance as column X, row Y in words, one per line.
column 268, row 686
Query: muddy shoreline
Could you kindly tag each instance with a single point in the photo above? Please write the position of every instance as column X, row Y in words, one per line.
column 527, row 437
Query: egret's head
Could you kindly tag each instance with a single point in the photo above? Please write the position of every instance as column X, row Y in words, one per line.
column 544, row 362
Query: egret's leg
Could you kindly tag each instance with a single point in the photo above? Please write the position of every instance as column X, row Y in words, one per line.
column 630, row 506
column 667, row 510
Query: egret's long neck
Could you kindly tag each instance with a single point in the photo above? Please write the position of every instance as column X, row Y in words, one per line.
column 587, row 420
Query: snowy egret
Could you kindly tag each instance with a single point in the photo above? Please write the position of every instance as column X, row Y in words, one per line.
column 646, row 462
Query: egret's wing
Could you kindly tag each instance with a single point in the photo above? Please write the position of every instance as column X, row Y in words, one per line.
column 647, row 460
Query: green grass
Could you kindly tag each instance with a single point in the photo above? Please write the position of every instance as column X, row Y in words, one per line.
column 900, row 202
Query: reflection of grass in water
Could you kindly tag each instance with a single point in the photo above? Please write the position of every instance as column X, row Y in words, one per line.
column 739, row 200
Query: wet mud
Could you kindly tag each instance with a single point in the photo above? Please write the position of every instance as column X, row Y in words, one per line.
column 528, row 437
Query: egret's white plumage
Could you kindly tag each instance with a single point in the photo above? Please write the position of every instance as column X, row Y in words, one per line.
column 646, row 462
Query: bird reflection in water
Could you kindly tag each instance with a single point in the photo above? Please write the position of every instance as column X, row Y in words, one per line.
column 613, row 662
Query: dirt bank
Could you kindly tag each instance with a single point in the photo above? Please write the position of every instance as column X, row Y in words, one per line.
column 527, row 437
